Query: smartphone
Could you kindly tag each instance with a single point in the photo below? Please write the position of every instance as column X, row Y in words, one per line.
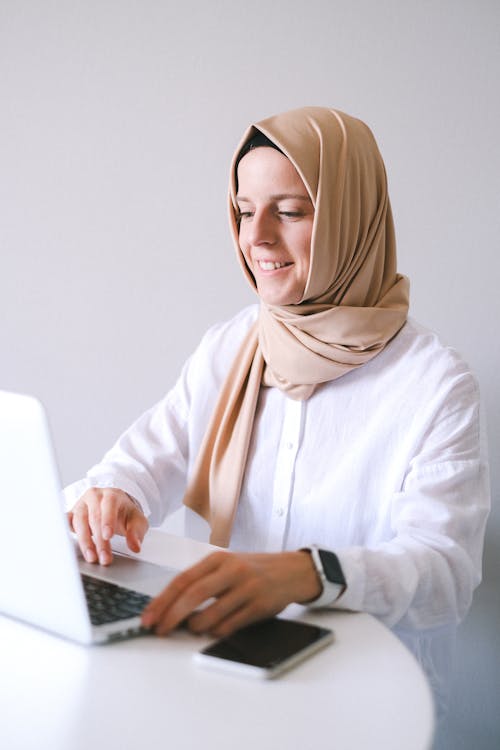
column 265, row 649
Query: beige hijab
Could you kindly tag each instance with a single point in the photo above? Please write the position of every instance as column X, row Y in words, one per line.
column 353, row 304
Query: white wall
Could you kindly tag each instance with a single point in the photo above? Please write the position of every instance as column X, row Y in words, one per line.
column 117, row 123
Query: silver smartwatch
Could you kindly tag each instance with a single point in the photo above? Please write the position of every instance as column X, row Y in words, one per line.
column 330, row 574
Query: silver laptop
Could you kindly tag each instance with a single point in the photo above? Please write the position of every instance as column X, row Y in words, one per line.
column 43, row 579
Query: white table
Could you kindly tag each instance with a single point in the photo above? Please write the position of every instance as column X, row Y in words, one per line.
column 364, row 691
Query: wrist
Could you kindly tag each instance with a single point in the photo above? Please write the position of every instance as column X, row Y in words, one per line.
column 311, row 585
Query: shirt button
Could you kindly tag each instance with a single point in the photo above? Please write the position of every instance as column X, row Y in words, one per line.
column 289, row 445
column 280, row 512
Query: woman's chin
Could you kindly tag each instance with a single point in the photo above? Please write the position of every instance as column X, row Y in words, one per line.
column 279, row 298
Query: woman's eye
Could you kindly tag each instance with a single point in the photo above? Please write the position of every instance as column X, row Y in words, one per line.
column 291, row 214
column 244, row 215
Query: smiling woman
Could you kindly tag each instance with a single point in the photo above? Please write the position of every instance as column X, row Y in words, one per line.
column 331, row 443
column 275, row 216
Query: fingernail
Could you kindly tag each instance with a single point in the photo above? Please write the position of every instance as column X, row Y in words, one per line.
column 137, row 543
column 90, row 555
column 104, row 558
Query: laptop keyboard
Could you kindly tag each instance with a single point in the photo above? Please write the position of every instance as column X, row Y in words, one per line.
column 108, row 602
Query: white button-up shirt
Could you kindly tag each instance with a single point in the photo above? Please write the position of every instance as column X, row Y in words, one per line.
column 385, row 466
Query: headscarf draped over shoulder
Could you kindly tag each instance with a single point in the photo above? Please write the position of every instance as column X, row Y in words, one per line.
column 353, row 304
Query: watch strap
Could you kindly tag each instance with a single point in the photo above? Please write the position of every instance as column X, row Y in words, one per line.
column 330, row 574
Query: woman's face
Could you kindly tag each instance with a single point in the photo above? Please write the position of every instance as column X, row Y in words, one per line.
column 276, row 221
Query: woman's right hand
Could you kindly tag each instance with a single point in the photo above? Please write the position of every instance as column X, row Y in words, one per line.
column 101, row 513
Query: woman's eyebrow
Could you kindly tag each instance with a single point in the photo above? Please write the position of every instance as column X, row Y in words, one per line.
column 278, row 197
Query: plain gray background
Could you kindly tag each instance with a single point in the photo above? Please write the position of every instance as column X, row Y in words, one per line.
column 117, row 124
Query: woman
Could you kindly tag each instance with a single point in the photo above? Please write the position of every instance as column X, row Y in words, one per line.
column 320, row 417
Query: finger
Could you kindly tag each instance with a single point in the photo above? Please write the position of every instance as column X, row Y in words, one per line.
column 103, row 547
column 136, row 526
column 93, row 501
column 212, row 616
column 183, row 594
column 230, row 581
column 104, row 551
column 81, row 528
column 192, row 598
column 109, row 515
column 239, row 619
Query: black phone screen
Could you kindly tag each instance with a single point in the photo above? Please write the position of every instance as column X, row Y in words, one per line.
column 267, row 643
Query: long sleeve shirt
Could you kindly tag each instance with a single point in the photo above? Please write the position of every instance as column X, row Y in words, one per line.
column 385, row 466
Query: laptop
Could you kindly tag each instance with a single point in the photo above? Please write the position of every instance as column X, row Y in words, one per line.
column 44, row 581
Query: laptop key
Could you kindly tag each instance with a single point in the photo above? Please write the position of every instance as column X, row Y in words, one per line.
column 108, row 602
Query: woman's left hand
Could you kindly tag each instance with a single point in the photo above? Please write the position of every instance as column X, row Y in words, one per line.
column 243, row 588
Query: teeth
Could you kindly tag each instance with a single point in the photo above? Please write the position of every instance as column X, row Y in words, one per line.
column 268, row 265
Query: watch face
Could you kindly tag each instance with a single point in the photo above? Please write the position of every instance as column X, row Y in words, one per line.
column 331, row 567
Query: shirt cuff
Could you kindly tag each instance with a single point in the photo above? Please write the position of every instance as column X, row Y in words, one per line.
column 351, row 562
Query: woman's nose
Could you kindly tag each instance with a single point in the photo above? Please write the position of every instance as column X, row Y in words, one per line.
column 262, row 229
